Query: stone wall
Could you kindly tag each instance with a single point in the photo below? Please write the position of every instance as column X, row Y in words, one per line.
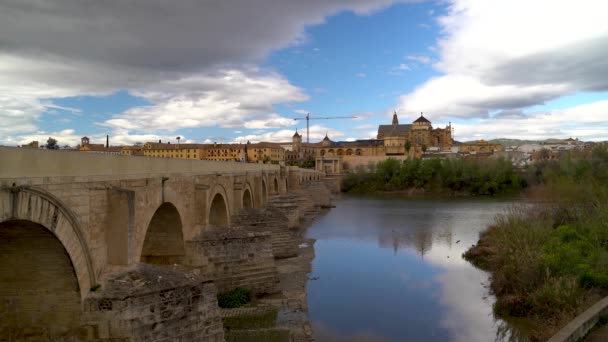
column 282, row 238
column 153, row 304
column 234, row 259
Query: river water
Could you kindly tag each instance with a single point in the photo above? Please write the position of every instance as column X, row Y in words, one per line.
column 391, row 269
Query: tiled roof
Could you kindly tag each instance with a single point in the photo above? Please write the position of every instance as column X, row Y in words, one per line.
column 422, row 119
column 393, row 130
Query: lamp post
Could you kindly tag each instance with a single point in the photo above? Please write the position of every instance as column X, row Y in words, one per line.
column 178, row 141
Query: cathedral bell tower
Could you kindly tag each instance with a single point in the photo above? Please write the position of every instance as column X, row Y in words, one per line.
column 296, row 141
column 395, row 119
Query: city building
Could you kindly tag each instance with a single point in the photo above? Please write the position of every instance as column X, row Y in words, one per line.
column 253, row 153
column 86, row 146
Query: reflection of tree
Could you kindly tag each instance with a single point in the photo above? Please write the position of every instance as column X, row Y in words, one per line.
column 421, row 241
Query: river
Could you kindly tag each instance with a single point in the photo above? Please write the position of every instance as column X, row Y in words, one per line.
column 391, row 269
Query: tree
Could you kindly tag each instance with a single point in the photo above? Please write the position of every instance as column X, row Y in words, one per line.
column 51, row 144
column 423, row 148
column 408, row 146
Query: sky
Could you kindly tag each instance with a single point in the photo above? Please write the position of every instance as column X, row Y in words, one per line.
column 239, row 70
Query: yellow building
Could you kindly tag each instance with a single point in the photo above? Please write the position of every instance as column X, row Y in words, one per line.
column 33, row 144
column 299, row 152
column 168, row 150
column 480, row 146
column 132, row 151
column 252, row 153
column 86, row 146
column 265, row 152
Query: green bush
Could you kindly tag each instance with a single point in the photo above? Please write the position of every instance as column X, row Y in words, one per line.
column 234, row 298
column 550, row 260
column 487, row 177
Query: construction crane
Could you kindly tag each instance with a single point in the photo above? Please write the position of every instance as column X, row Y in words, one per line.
column 308, row 118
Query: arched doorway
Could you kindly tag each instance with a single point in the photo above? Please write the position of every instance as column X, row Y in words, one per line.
column 39, row 291
column 247, row 199
column 276, row 186
column 164, row 242
column 218, row 212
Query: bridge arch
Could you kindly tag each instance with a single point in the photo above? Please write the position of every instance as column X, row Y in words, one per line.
column 164, row 240
column 34, row 206
column 39, row 282
column 247, row 198
column 218, row 210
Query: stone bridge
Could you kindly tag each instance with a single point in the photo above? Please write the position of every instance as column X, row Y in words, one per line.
column 117, row 248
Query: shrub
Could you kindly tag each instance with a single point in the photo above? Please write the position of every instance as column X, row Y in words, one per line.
column 234, row 298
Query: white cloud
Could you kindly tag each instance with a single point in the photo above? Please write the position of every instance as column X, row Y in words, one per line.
column 301, row 111
column 588, row 122
column 398, row 70
column 271, row 121
column 361, row 75
column 317, row 133
column 63, row 48
column 363, row 127
column 228, row 98
column 71, row 138
column 499, row 55
column 419, row 58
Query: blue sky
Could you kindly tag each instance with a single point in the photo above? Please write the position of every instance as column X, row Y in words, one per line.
column 238, row 72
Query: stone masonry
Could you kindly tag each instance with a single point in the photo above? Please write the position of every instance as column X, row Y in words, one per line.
column 108, row 216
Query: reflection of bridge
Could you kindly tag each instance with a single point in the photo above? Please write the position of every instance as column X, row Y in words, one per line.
column 79, row 231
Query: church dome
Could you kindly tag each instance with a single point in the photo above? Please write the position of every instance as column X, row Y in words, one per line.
column 296, row 134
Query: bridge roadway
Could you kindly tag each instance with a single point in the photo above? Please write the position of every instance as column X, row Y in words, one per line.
column 86, row 239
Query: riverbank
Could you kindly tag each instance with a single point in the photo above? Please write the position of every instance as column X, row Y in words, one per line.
column 453, row 177
column 279, row 318
column 548, row 261
column 284, row 316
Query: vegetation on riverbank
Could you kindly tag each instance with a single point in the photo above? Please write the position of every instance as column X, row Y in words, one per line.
column 234, row 298
column 549, row 261
column 460, row 176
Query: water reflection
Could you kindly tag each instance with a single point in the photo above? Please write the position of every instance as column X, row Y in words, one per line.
column 392, row 269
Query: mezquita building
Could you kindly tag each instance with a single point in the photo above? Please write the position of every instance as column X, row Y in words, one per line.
column 395, row 140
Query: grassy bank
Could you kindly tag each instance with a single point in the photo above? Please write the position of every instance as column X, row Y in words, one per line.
column 455, row 176
column 549, row 261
